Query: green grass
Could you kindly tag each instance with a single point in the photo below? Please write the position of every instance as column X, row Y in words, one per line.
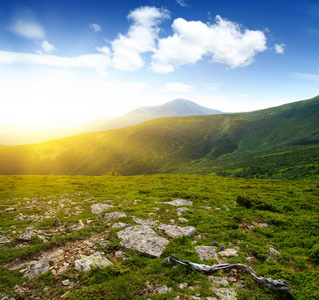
column 291, row 209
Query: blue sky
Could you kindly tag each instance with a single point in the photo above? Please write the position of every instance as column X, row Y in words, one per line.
column 64, row 63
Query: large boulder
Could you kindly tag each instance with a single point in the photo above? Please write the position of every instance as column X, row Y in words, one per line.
column 95, row 260
column 143, row 239
column 176, row 231
column 99, row 208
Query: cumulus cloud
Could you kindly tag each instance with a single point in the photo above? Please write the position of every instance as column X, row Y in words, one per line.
column 28, row 29
column 280, row 49
column 95, row 27
column 224, row 42
column 176, row 87
column 141, row 36
column 47, row 47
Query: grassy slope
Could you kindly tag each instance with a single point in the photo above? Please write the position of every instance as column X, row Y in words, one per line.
column 196, row 144
column 290, row 208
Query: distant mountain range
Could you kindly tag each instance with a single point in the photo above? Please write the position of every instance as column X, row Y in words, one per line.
column 279, row 142
column 177, row 107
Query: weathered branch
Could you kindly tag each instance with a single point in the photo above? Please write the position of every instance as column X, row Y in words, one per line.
column 278, row 285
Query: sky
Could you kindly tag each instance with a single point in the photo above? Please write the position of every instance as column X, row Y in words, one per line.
column 65, row 63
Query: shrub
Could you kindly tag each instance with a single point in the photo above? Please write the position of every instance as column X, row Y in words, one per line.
column 257, row 203
column 315, row 252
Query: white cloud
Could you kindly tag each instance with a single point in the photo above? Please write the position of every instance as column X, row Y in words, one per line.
column 97, row 61
column 95, row 27
column 280, row 49
column 141, row 36
column 212, row 87
column 307, row 76
column 225, row 42
column 176, row 87
column 104, row 49
column 181, row 3
column 47, row 47
column 28, row 29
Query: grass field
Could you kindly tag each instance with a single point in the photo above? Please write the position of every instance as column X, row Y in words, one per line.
column 226, row 212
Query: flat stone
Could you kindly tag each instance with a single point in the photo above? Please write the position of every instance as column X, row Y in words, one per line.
column 143, row 239
column 99, row 208
column 66, row 282
column 4, row 240
column 228, row 252
column 176, row 231
column 26, row 236
column 206, row 252
column 182, row 220
column 180, row 210
column 225, row 293
column 272, row 254
column 149, row 223
column 218, row 281
column 178, row 202
column 118, row 225
column 162, row 290
column 36, row 268
column 95, row 260
column 114, row 215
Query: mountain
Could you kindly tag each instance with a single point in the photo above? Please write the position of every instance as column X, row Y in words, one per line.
column 279, row 142
column 177, row 107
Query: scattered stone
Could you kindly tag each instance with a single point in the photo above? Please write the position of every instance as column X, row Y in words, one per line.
column 57, row 223
column 226, row 207
column 118, row 254
column 162, row 290
column 206, row 207
column 272, row 254
column 114, row 215
column 36, row 268
column 206, row 252
column 143, row 239
column 228, row 252
column 4, row 240
column 104, row 243
column 99, row 208
column 218, row 281
column 178, row 202
column 225, row 293
column 95, row 260
column 182, row 220
column 180, row 210
column 250, row 260
column 25, row 236
column 149, row 223
column 66, row 282
column 118, row 225
column 183, row 285
column 176, row 231
column 9, row 209
column 263, row 224
column 81, row 223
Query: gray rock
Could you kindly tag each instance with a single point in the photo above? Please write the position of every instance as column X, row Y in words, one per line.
column 114, row 215
column 162, row 290
column 118, row 225
column 149, row 223
column 225, row 293
column 206, row 252
column 183, row 285
column 178, row 202
column 143, row 239
column 250, row 260
column 272, row 254
column 36, row 268
column 66, row 282
column 95, row 260
column 99, row 208
column 180, row 210
column 25, row 236
column 228, row 252
column 182, row 220
column 4, row 240
column 176, row 231
column 218, row 281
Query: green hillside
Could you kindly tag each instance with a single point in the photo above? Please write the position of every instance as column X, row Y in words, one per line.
column 280, row 142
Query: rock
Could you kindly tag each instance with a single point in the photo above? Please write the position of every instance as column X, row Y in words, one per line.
column 250, row 260
column 178, row 202
column 114, row 215
column 183, row 285
column 118, row 225
column 95, row 260
column 57, row 223
column 162, row 290
column 118, row 253
column 104, row 243
column 25, row 236
column 272, row 254
column 36, row 268
column 228, row 252
column 99, row 208
column 182, row 220
column 66, row 282
column 225, row 293
column 149, row 223
column 176, row 231
column 143, row 239
column 226, row 207
column 206, row 252
column 81, row 223
column 4, row 240
column 218, row 281
column 180, row 210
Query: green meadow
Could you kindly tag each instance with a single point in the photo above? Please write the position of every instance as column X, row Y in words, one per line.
column 226, row 212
